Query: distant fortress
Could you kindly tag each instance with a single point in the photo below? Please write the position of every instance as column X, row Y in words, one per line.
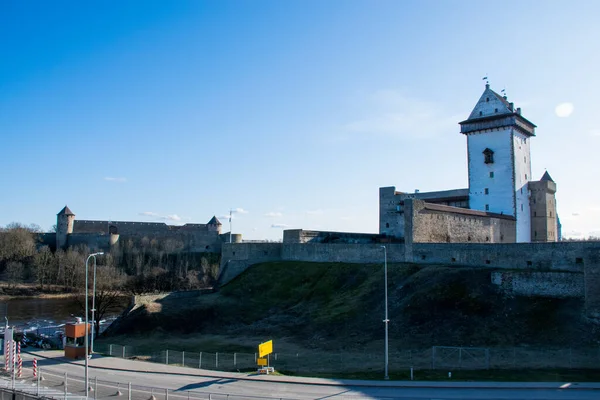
column 104, row 234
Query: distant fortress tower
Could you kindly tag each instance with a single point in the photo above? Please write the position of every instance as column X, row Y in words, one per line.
column 499, row 161
column 64, row 227
column 544, row 222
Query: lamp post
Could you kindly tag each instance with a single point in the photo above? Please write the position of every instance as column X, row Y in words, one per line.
column 386, row 320
column 93, row 310
column 87, row 386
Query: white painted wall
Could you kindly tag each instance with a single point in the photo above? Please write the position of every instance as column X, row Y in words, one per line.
column 501, row 188
column 522, row 161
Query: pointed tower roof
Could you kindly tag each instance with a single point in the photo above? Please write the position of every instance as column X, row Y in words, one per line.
column 214, row 221
column 547, row 177
column 490, row 103
column 65, row 211
column 493, row 111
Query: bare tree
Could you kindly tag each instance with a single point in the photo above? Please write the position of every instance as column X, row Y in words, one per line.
column 109, row 294
column 14, row 272
column 43, row 261
column 17, row 243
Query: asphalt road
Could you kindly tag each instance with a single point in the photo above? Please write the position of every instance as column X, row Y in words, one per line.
column 110, row 377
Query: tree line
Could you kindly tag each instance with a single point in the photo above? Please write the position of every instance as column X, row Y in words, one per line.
column 135, row 266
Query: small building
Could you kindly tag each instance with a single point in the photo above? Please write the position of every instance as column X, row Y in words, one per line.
column 75, row 339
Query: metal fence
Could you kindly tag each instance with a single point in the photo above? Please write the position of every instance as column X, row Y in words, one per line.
column 63, row 386
column 437, row 357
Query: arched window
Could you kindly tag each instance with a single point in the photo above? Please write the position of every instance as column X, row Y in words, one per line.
column 488, row 156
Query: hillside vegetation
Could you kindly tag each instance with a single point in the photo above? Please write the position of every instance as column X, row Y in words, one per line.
column 341, row 306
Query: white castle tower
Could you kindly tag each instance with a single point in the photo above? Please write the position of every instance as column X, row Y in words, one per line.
column 499, row 159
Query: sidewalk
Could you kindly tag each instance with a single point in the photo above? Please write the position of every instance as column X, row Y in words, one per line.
column 118, row 364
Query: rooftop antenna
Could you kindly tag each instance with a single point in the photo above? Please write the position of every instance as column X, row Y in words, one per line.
column 230, row 229
column 503, row 91
column 487, row 81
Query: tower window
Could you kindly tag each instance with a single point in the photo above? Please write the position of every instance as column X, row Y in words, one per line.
column 491, row 174
column 387, row 224
column 525, row 158
column 487, row 207
column 487, row 191
column 487, row 99
column 495, row 110
column 480, row 113
column 488, row 156
column 535, row 214
column 525, row 176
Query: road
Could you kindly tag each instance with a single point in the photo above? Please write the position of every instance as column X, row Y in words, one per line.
column 111, row 376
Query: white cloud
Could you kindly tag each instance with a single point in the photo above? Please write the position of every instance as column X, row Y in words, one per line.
column 240, row 211
column 564, row 110
column 315, row 212
column 397, row 115
column 149, row 214
column 595, row 132
column 280, row 226
column 113, row 179
column 273, row 214
column 173, row 217
column 573, row 234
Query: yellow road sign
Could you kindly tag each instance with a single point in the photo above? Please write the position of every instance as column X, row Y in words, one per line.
column 261, row 361
column 265, row 348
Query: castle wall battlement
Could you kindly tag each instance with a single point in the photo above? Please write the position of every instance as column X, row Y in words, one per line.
column 134, row 228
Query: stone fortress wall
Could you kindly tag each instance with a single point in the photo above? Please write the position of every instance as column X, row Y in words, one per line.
column 435, row 223
column 101, row 235
column 555, row 269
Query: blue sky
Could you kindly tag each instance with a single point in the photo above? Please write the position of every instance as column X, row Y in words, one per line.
column 292, row 112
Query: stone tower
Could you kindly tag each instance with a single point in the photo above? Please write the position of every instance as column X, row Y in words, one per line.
column 498, row 140
column 64, row 227
column 544, row 221
column 214, row 225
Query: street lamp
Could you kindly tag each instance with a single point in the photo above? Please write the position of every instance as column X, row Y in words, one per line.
column 87, row 387
column 93, row 310
column 386, row 320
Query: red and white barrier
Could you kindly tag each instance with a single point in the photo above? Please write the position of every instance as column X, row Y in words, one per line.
column 6, row 354
column 14, row 351
column 20, row 368
column 35, row 367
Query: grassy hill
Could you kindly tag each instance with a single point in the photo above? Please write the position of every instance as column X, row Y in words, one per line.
column 337, row 306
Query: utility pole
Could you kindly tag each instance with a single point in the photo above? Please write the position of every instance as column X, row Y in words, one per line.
column 230, row 228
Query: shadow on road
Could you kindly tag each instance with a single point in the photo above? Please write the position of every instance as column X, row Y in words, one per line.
column 205, row 384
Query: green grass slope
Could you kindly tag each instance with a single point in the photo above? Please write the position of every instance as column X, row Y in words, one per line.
column 341, row 306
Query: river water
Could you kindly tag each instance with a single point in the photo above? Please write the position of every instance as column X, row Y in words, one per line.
column 47, row 315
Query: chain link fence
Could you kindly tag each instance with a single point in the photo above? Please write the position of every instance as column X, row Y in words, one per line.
column 437, row 357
